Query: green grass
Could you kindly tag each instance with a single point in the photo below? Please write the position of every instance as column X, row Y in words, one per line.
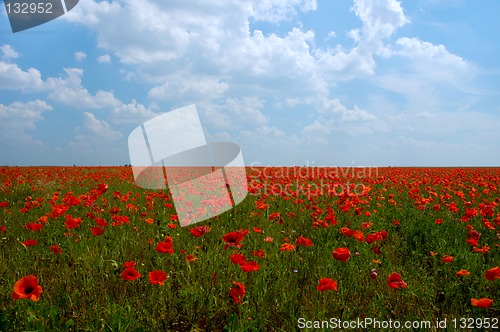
column 83, row 290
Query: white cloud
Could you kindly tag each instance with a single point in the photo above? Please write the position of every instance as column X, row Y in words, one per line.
column 182, row 85
column 317, row 127
column 172, row 40
column 79, row 55
column 100, row 127
column 19, row 117
column 14, row 78
column 337, row 123
column 429, row 75
column 416, row 49
column 279, row 10
column 246, row 110
column 380, row 19
column 90, row 12
column 8, row 52
column 354, row 34
column 234, row 113
column 209, row 50
column 96, row 143
column 347, row 114
column 30, row 111
column 133, row 113
column 270, row 66
column 104, row 59
column 69, row 91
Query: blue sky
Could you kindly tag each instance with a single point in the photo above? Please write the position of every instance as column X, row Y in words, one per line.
column 293, row 82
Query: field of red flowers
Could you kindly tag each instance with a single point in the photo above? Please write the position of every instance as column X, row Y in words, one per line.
column 84, row 248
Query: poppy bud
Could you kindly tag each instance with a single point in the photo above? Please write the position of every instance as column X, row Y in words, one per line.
column 114, row 265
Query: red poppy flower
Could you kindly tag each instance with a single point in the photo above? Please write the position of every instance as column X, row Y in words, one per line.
column 341, row 254
column 130, row 274
column 327, row 284
column 96, row 230
column 462, row 273
column 483, row 250
column 101, row 222
column 358, row 235
column 268, row 239
column 493, row 273
column 172, row 226
column 157, row 277
column 366, row 225
column 489, row 225
column 102, row 188
column 190, row 258
column 481, row 303
column 58, row 210
column 376, row 250
column 258, row 230
column 395, row 281
column 200, row 230
column 129, row 265
column 370, row 238
column 237, row 258
column 33, row 226
column 258, row 253
column 447, row 259
column 3, row 228
column 260, row 205
column 4, row 204
column 471, row 212
column 346, row 231
column 287, row 247
column 71, row 222
column 29, row 242
column 27, row 288
column 165, row 247
column 472, row 242
column 118, row 220
column 304, row 241
column 237, row 292
column 233, row 239
column 56, row 250
column 274, row 215
column 249, row 266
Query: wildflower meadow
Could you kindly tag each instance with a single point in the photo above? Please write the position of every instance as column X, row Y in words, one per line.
column 84, row 248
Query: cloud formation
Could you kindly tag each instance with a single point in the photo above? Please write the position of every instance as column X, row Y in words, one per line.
column 254, row 68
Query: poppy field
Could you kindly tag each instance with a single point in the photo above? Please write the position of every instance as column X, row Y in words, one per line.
column 84, row 248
